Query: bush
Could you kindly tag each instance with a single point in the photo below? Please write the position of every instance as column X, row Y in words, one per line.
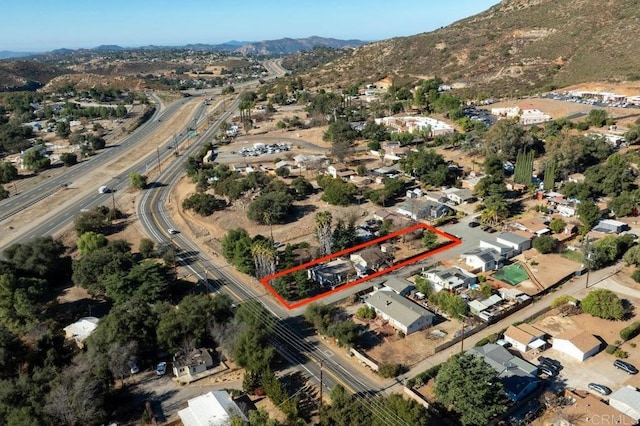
column 619, row 353
column 563, row 300
column 636, row 275
column 389, row 370
column 603, row 303
column 424, row 377
column 366, row 312
column 492, row 338
column 611, row 349
column 544, row 244
column 630, row 331
column 203, row 204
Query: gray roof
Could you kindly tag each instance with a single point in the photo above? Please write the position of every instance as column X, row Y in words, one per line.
column 397, row 307
column 630, row 397
column 486, row 255
column 398, row 285
column 513, row 238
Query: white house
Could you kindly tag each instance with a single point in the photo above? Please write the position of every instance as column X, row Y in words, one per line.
column 478, row 306
column 211, row 409
column 627, row 401
column 81, row 329
column 450, row 279
column 517, row 242
column 401, row 313
column 502, row 249
column 188, row 366
column 524, row 337
column 576, row 343
column 483, row 259
column 399, row 285
column 566, row 210
column 459, row 195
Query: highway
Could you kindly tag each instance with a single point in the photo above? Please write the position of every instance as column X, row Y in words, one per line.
column 292, row 338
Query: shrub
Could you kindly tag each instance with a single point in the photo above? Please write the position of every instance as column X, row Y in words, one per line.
column 619, row 353
column 424, row 377
column 636, row 275
column 492, row 338
column 203, row 204
column 611, row 349
column 630, row 331
column 563, row 300
column 389, row 370
column 544, row 244
column 366, row 312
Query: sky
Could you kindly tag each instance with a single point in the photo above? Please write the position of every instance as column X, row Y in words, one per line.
column 43, row 25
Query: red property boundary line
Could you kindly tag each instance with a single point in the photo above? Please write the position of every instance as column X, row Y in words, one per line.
column 453, row 241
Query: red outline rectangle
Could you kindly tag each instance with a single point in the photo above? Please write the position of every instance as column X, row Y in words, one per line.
column 454, row 241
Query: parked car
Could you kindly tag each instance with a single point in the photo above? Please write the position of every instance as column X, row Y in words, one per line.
column 625, row 366
column 161, row 368
column 553, row 363
column 133, row 366
column 547, row 370
column 473, row 224
column 601, row 389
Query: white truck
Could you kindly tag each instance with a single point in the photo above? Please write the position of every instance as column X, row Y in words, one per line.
column 104, row 190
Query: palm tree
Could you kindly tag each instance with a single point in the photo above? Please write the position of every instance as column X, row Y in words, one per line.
column 264, row 258
column 323, row 231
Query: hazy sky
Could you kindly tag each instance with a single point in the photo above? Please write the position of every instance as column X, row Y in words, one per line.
column 41, row 25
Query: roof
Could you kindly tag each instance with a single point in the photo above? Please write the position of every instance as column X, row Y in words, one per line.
column 585, row 408
column 486, row 255
column 82, row 328
column 629, row 397
column 532, row 224
column 398, row 285
column 397, row 307
column 523, row 333
column 211, row 409
column 195, row 357
column 579, row 338
column 513, row 238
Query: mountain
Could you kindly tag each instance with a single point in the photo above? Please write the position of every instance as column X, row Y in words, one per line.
column 26, row 75
column 7, row 54
column 516, row 46
column 108, row 48
column 287, row 46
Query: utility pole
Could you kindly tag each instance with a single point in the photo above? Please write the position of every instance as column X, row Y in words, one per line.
column 113, row 202
column 206, row 280
column 464, row 323
column 158, row 153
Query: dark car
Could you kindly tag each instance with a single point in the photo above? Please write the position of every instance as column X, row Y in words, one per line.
column 550, row 362
column 625, row 366
column 547, row 370
column 601, row 389
column 473, row 224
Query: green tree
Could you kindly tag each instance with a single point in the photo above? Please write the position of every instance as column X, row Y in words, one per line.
column 3, row 193
column 430, row 240
column 366, row 312
column 507, row 138
column 469, row 386
column 147, row 248
column 544, row 244
column 138, row 181
column 336, row 191
column 271, row 208
column 8, row 172
column 95, row 220
column 557, row 225
column 69, row 159
column 597, row 117
column 63, row 129
column 91, row 241
column 42, row 257
column 35, row 160
column 603, row 303
column 589, row 213
column 203, row 204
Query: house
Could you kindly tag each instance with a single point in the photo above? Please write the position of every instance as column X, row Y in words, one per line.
column 532, row 225
column 360, row 180
column 342, row 173
column 188, row 366
column 436, row 196
column 451, row 279
column 502, row 249
column 416, row 123
column 627, row 401
column 524, row 337
column 584, row 409
column 459, row 195
column 576, row 343
column 397, row 221
column 530, row 116
column 399, row 285
column 211, row 409
column 81, row 329
column 566, row 210
column 242, row 168
column 310, row 161
column 609, row 226
column 333, row 273
column 576, row 178
column 371, row 258
column 472, row 180
column 513, row 293
column 517, row 242
column 401, row 313
column 478, row 306
column 518, row 376
column 483, row 259
column 419, row 209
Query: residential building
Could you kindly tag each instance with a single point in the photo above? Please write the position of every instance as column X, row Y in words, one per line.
column 530, row 116
column 419, row 209
column 372, row 258
column 397, row 221
column 513, row 293
column 472, row 180
column 211, row 409
column 567, row 210
column 502, row 249
column 81, row 329
column 451, row 279
column 583, row 409
column 459, row 195
column 610, row 226
column 188, row 366
column 532, row 225
column 524, row 337
column 477, row 307
column 576, row 343
column 483, row 259
column 517, row 242
column 401, row 313
column 333, row 273
column 416, row 123
column 518, row 376
column 342, row 173
column 576, row 178
column 399, row 285
column 314, row 162
column 627, row 401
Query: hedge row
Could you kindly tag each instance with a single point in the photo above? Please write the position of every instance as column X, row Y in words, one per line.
column 630, row 331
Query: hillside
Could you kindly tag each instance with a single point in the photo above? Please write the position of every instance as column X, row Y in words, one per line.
column 517, row 46
column 286, row 46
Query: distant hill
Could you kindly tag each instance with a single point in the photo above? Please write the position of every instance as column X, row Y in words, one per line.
column 26, row 75
column 7, row 54
column 517, row 46
column 287, row 46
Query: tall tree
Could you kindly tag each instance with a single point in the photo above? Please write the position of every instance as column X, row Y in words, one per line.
column 323, row 231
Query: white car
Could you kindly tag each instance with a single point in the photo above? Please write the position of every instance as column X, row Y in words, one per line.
column 172, row 231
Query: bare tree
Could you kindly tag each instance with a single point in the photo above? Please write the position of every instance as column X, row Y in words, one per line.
column 324, row 232
column 120, row 358
column 226, row 336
